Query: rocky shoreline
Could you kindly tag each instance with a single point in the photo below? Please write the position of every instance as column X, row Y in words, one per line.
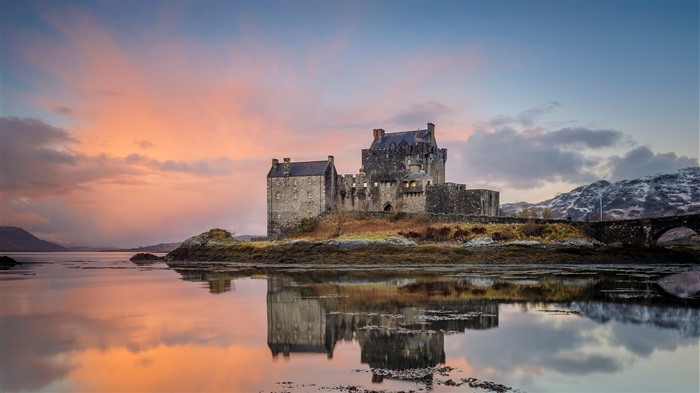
column 402, row 251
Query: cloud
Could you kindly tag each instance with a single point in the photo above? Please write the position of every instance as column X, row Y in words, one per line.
column 420, row 114
column 521, row 153
column 526, row 118
column 641, row 161
column 579, row 137
column 219, row 166
column 53, row 189
column 513, row 159
column 63, row 110
column 144, row 144
column 40, row 160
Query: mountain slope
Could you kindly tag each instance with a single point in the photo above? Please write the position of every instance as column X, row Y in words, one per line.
column 659, row 195
column 17, row 239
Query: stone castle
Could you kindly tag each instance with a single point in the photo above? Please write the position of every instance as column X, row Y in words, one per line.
column 400, row 172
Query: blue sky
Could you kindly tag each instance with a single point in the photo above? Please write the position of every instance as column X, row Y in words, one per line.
column 193, row 98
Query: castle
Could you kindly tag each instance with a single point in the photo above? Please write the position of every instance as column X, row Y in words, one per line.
column 401, row 172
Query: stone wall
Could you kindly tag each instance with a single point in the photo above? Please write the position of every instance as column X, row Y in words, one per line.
column 451, row 198
column 291, row 199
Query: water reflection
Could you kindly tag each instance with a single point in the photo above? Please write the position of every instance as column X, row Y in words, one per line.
column 83, row 326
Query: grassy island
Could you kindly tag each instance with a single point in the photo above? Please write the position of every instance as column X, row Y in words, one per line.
column 414, row 241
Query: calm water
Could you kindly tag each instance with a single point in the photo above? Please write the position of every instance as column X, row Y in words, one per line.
column 97, row 322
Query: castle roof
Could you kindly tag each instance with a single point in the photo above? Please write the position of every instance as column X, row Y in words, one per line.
column 385, row 141
column 309, row 168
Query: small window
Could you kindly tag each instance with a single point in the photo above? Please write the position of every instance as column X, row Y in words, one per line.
column 405, row 184
column 294, row 182
column 413, row 183
column 376, row 184
column 308, row 194
column 364, row 184
column 278, row 196
column 294, row 195
column 309, row 181
column 278, row 182
column 354, row 185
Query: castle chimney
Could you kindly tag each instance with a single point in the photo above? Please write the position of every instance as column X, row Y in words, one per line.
column 378, row 133
column 286, row 166
column 330, row 159
column 431, row 128
column 275, row 162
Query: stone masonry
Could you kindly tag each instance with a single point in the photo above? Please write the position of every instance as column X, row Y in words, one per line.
column 400, row 172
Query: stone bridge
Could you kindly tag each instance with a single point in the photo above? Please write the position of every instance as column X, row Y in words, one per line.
column 643, row 232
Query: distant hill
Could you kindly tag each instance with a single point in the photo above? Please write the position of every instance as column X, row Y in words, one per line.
column 659, row 195
column 161, row 247
column 17, row 239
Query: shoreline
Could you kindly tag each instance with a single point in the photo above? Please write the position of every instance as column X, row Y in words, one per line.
column 372, row 253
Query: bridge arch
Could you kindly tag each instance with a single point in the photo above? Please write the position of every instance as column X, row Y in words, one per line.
column 661, row 228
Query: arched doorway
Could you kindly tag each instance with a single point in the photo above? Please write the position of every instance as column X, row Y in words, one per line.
column 388, row 207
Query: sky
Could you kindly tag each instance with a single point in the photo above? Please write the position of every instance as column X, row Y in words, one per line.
column 130, row 123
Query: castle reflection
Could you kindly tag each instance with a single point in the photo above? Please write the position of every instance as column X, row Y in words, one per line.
column 392, row 334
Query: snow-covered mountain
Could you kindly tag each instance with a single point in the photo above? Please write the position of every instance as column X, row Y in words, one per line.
column 658, row 195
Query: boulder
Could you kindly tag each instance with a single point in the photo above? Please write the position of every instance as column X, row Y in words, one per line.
column 7, row 262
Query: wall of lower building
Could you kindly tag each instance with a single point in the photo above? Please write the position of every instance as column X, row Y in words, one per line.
column 357, row 193
column 291, row 199
column 450, row 198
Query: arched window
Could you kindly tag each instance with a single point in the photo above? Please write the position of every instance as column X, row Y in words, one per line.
column 413, row 183
column 405, row 184
column 278, row 196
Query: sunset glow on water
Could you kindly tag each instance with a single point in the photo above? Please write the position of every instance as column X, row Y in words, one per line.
column 97, row 322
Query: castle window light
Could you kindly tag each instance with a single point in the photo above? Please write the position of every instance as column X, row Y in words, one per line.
column 364, row 184
column 413, row 183
column 376, row 184
column 405, row 184
column 354, row 185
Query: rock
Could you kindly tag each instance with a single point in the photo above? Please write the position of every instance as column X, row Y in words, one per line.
column 8, row 263
column 683, row 285
column 527, row 243
column 214, row 237
column 582, row 242
column 400, row 241
column 480, row 241
column 144, row 256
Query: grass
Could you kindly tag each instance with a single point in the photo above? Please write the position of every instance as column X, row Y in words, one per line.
column 423, row 230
